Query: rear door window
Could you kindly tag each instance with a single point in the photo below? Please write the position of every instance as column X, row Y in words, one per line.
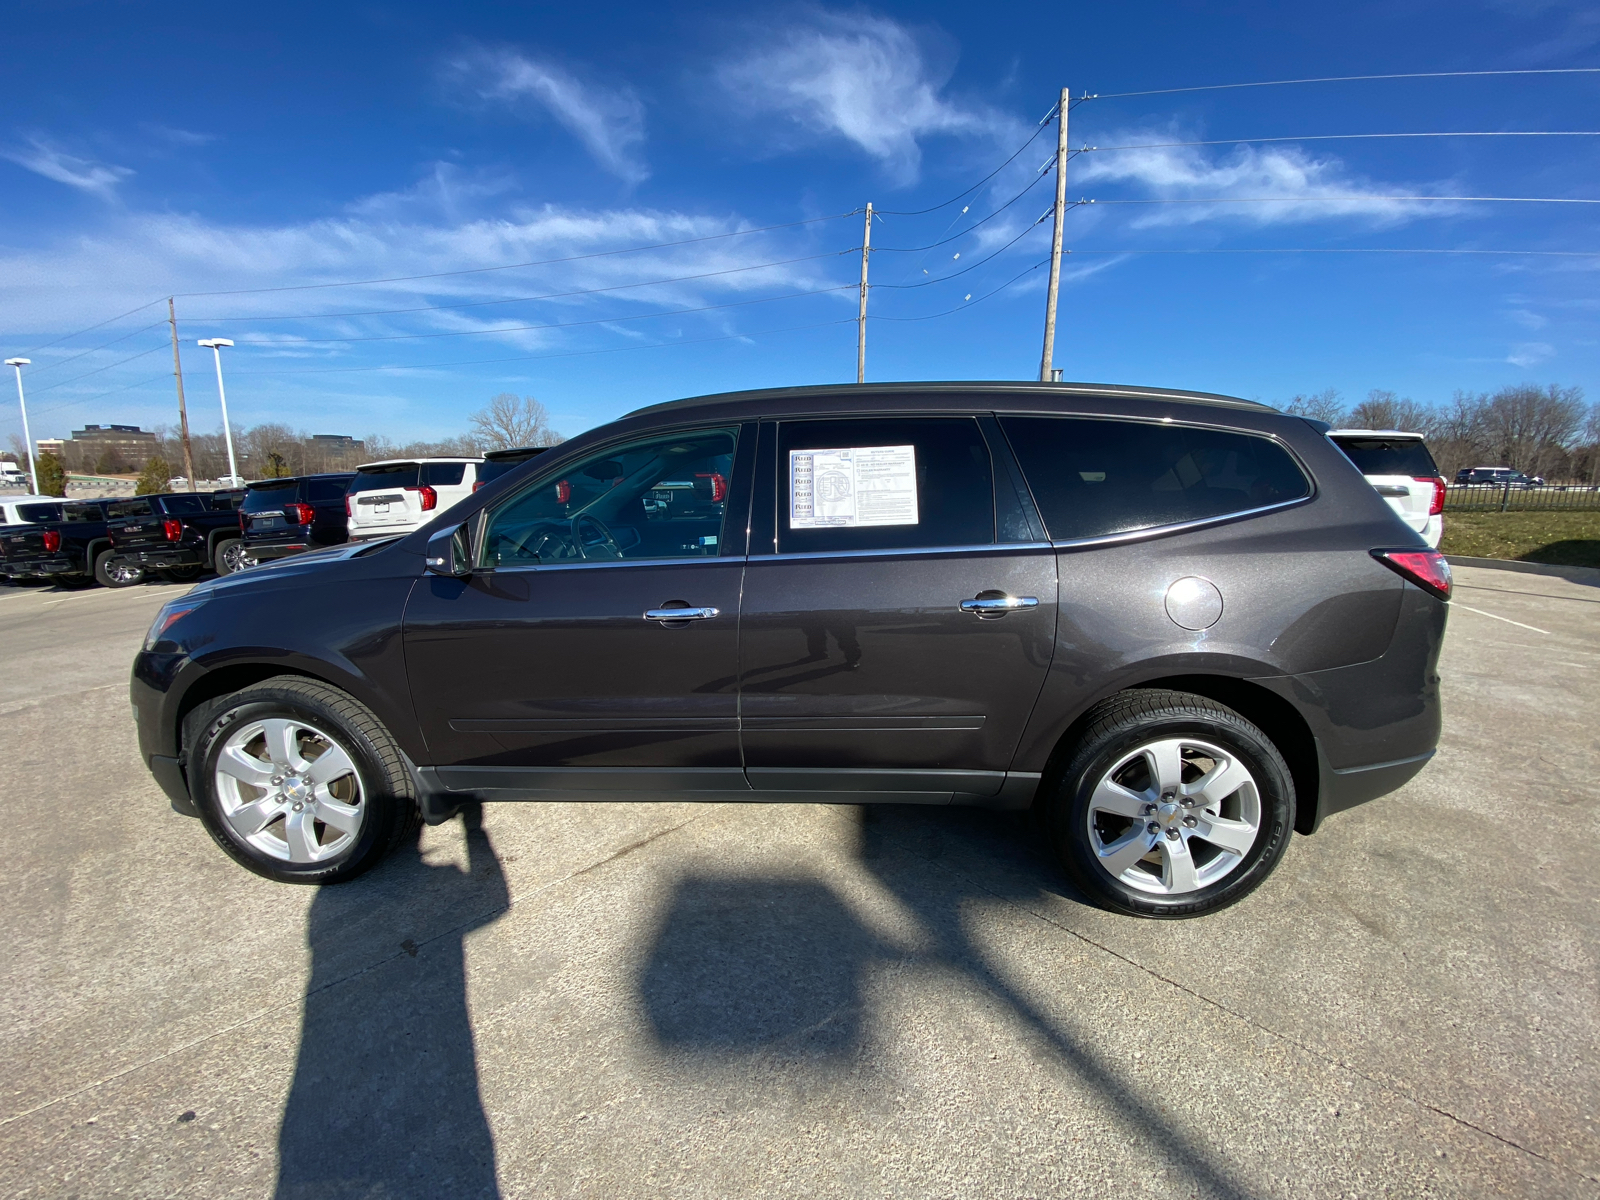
column 129, row 508
column 883, row 484
column 1093, row 477
column 1388, row 456
column 443, row 474
column 82, row 512
column 182, row 505
column 374, row 479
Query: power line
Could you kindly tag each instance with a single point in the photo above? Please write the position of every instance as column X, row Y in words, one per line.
column 966, row 304
column 545, row 262
column 64, row 361
column 922, row 212
column 63, row 383
column 1218, row 87
column 944, row 241
column 476, row 362
column 407, row 337
column 973, row 266
column 1341, row 137
column 114, row 391
column 1358, row 250
column 91, row 328
column 384, row 312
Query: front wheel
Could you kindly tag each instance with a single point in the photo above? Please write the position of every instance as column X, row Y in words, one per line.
column 298, row 781
column 229, row 557
column 1172, row 805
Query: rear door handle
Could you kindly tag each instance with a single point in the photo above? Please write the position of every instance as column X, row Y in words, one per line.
column 680, row 614
column 997, row 606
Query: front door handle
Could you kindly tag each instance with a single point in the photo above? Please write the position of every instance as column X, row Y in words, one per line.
column 988, row 605
column 680, row 614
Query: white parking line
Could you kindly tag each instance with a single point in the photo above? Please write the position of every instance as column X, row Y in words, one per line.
column 1498, row 617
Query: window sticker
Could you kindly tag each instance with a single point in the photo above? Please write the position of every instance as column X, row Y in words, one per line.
column 861, row 485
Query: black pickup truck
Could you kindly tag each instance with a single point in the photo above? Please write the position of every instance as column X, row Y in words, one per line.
column 179, row 535
column 280, row 517
column 72, row 550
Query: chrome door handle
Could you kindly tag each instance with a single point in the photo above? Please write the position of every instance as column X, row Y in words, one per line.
column 1391, row 489
column 680, row 614
column 998, row 606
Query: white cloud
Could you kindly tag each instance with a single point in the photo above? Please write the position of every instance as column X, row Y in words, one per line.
column 1530, row 354
column 177, row 137
column 858, row 77
column 1527, row 319
column 45, row 158
column 608, row 121
column 1315, row 188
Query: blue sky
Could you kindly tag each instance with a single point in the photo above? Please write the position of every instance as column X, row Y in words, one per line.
column 154, row 150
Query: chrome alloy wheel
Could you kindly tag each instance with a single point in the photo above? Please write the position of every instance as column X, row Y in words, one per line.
column 290, row 790
column 235, row 559
column 124, row 574
column 1174, row 816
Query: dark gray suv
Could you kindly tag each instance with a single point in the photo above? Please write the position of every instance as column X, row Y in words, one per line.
column 1178, row 626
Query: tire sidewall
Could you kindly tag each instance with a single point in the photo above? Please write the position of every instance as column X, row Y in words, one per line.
column 104, row 578
column 219, row 560
column 256, row 704
column 1069, row 828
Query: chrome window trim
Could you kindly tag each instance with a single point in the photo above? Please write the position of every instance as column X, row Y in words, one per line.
column 584, row 565
column 1004, row 547
column 1134, row 535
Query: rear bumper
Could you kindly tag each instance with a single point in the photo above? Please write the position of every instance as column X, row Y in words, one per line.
column 267, row 551
column 372, row 534
column 176, row 556
column 43, row 566
column 1339, row 789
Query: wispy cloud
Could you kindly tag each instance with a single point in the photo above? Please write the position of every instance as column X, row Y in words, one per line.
column 862, row 78
column 1312, row 188
column 1530, row 354
column 608, row 121
column 43, row 157
column 177, row 137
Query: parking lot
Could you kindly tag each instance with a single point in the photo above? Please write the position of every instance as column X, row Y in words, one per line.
column 675, row 1000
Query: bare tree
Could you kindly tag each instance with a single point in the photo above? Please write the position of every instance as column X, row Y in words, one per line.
column 1385, row 410
column 508, row 421
column 1532, row 428
column 1320, row 406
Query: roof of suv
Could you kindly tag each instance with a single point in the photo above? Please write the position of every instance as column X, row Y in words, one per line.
column 425, row 458
column 863, row 394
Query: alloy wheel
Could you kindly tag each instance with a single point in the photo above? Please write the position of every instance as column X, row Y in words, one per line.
column 1174, row 816
column 290, row 790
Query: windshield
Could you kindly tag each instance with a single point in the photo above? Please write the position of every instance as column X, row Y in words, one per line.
column 1388, row 456
column 394, row 475
column 270, row 496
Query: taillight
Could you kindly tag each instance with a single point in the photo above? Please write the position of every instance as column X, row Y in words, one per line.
column 563, row 492
column 171, row 528
column 1436, row 505
column 350, row 507
column 477, row 484
column 719, row 485
column 427, row 496
column 244, row 526
column 299, row 514
column 52, row 540
column 1425, row 568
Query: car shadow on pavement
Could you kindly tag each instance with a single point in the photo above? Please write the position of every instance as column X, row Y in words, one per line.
column 385, row 1099
column 775, row 966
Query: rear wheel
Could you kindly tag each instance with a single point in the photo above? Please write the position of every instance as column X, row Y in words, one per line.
column 298, row 781
column 1172, row 805
column 107, row 575
column 229, row 557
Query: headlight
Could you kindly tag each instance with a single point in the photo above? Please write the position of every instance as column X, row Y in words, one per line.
column 171, row 612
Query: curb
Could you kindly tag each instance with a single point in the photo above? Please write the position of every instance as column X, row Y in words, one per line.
column 1588, row 575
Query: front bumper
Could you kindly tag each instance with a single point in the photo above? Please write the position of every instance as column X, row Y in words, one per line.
column 176, row 556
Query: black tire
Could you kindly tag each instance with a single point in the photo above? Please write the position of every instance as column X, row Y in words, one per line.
column 389, row 799
column 71, row 582
column 182, row 574
column 228, row 557
column 121, row 578
column 1116, row 729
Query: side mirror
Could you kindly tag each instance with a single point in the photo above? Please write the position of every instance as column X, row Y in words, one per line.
column 449, row 553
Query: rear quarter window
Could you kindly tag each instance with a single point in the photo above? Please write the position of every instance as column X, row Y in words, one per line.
column 129, row 508
column 39, row 512
column 270, row 497
column 82, row 512
column 326, row 489
column 182, row 505
column 1094, row 477
column 1388, row 456
column 443, row 474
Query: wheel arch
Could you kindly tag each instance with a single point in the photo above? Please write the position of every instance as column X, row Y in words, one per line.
column 1269, row 712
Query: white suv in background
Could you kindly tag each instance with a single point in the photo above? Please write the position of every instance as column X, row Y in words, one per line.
column 394, row 497
column 1402, row 470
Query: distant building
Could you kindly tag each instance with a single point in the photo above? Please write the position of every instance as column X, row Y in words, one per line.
column 50, row 446
column 115, row 448
column 335, row 451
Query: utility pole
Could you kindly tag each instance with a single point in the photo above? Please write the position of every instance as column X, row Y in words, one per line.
column 861, row 320
column 1046, row 374
column 183, row 413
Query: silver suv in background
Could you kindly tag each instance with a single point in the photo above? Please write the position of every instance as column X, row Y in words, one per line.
column 397, row 496
column 1402, row 470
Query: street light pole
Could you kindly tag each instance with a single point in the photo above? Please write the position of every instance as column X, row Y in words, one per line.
column 27, row 437
column 215, row 345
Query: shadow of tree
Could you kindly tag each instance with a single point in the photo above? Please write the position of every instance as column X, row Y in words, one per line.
column 385, row 1101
